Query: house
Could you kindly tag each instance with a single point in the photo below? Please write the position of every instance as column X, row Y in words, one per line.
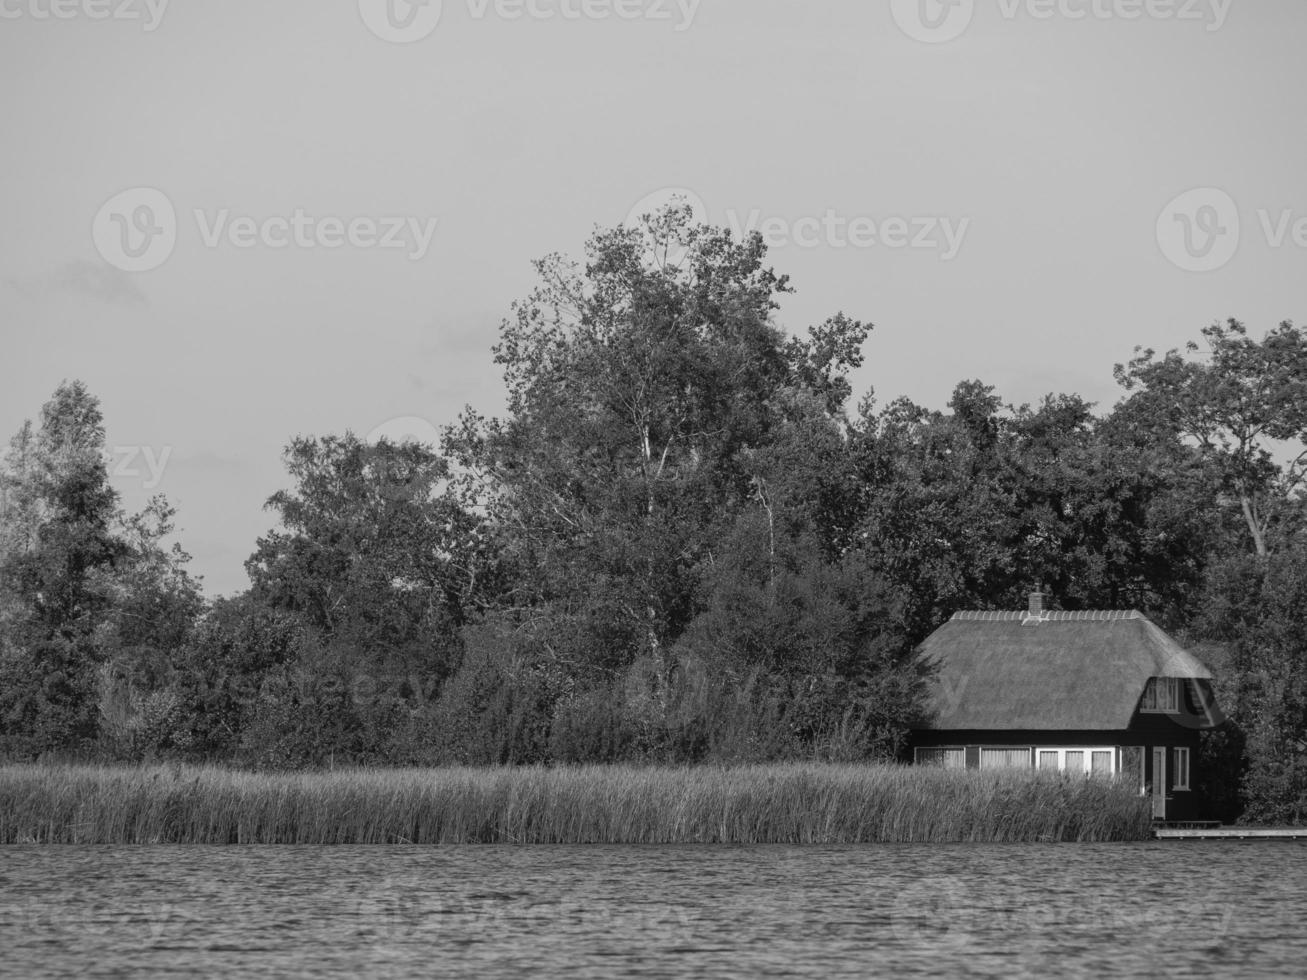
column 1092, row 693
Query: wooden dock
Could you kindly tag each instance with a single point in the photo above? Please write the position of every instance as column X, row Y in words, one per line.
column 1214, row 832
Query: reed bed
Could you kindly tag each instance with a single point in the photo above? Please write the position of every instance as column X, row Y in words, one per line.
column 791, row 804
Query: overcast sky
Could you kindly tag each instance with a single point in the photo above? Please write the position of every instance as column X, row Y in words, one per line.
column 244, row 220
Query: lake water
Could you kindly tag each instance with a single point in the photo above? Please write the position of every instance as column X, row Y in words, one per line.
column 1141, row 910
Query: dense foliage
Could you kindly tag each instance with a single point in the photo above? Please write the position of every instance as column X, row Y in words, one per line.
column 680, row 543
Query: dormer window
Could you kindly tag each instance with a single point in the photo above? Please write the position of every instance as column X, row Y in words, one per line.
column 1161, row 695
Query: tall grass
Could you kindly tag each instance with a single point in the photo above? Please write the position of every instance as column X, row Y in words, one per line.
column 798, row 804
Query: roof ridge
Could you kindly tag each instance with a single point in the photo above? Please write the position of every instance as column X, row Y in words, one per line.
column 1048, row 616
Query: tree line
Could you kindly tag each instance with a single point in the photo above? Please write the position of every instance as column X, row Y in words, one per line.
column 681, row 542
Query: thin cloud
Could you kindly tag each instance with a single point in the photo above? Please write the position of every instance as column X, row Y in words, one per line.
column 476, row 335
column 81, row 277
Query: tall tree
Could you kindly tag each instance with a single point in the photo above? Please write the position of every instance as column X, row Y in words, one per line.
column 974, row 507
column 638, row 385
column 1244, row 404
column 373, row 554
column 1106, row 522
column 154, row 605
column 790, row 610
column 1257, row 609
column 936, row 516
column 60, row 551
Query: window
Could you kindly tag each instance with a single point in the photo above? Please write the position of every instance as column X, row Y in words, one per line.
column 1161, row 694
column 1132, row 764
column 948, row 758
column 1084, row 761
column 1180, row 763
column 1005, row 758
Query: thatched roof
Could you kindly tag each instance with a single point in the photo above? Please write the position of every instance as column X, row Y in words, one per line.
column 1018, row 671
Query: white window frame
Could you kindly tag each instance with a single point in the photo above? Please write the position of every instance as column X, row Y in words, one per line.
column 1180, row 767
column 1031, row 758
column 1161, row 696
column 1088, row 752
column 952, row 749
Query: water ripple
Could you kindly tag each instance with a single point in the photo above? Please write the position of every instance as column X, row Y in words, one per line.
column 1166, row 909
